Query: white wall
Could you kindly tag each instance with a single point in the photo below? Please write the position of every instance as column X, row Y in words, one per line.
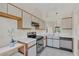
column 5, row 26
column 76, row 31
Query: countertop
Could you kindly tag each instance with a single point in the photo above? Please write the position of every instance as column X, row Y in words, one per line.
column 6, row 49
column 27, row 40
column 67, row 36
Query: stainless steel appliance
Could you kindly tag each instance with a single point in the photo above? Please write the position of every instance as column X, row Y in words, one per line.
column 39, row 41
column 31, row 34
column 66, row 43
column 39, row 44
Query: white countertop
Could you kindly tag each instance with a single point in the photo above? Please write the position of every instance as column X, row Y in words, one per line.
column 27, row 40
column 67, row 36
column 6, row 49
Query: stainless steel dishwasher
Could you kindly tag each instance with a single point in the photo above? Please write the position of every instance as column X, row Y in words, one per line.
column 66, row 43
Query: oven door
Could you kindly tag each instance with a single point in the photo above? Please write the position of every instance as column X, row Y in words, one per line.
column 40, row 45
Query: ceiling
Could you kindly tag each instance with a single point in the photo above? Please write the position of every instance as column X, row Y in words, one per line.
column 47, row 11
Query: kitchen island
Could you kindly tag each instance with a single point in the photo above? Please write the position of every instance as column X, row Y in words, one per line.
column 30, row 46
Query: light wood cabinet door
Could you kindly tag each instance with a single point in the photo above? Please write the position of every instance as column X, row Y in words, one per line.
column 26, row 20
column 3, row 7
column 14, row 11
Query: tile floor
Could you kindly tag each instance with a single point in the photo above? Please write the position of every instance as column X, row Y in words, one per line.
column 55, row 52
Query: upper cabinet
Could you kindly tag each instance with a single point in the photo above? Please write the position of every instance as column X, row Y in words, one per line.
column 42, row 24
column 14, row 11
column 26, row 20
column 34, row 19
column 3, row 7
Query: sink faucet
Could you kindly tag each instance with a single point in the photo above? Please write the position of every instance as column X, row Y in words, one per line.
column 12, row 39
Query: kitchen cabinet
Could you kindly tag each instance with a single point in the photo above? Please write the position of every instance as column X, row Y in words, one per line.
column 32, row 51
column 42, row 24
column 35, row 22
column 3, row 7
column 34, row 19
column 49, row 42
column 66, row 43
column 39, row 21
column 26, row 20
column 29, row 47
column 53, row 43
column 14, row 11
column 29, row 51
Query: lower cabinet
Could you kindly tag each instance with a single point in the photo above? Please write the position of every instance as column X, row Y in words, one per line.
column 66, row 43
column 29, row 51
column 53, row 43
column 32, row 51
column 49, row 42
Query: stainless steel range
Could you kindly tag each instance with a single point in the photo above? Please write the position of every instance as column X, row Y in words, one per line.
column 39, row 41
